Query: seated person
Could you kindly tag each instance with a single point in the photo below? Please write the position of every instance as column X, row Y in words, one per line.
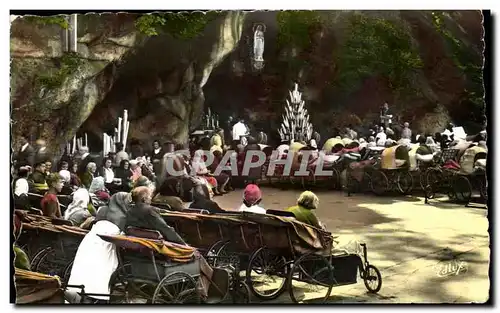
column 50, row 203
column 124, row 175
column 143, row 181
column 168, row 195
column 21, row 188
column 303, row 212
column 203, row 200
column 89, row 174
column 80, row 209
column 98, row 189
column 252, row 196
column 142, row 215
column 38, row 178
column 67, row 189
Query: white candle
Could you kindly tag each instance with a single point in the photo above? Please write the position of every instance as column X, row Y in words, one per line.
column 74, row 145
column 125, row 135
column 124, row 130
column 104, row 145
column 119, row 128
column 108, row 146
column 86, row 141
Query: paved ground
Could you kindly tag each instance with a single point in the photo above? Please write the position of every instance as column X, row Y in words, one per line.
column 409, row 241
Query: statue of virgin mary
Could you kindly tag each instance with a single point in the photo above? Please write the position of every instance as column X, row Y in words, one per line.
column 258, row 43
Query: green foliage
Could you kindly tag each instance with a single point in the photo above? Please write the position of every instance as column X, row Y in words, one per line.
column 180, row 25
column 49, row 20
column 465, row 59
column 69, row 63
column 148, row 24
column 377, row 47
column 295, row 26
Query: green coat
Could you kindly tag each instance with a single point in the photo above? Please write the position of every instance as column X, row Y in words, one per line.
column 21, row 259
column 87, row 179
column 304, row 215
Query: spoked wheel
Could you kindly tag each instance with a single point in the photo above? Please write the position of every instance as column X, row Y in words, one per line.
column 266, row 274
column 50, row 263
column 462, row 188
column 432, row 177
column 124, row 289
column 352, row 184
column 177, row 287
column 483, row 189
column 212, row 251
column 334, row 180
column 429, row 192
column 311, row 275
column 38, row 255
column 224, row 252
column 422, row 180
column 404, row 182
column 240, row 293
column 380, row 183
column 366, row 182
column 372, row 279
column 67, row 272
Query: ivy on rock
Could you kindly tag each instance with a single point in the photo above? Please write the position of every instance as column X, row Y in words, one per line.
column 185, row 25
column 295, row 27
column 465, row 59
column 68, row 65
column 377, row 47
column 49, row 20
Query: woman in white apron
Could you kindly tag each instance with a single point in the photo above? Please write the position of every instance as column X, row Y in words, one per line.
column 96, row 259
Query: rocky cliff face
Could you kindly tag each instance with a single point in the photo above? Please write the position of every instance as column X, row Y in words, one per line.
column 158, row 79
column 442, row 79
column 426, row 64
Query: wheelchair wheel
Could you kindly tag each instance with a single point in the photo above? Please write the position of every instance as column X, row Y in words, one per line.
column 214, row 249
column 67, row 272
column 311, row 274
column 240, row 293
column 123, row 289
column 222, row 255
column 50, row 263
column 429, row 193
column 366, row 182
column 462, row 189
column 372, row 279
column 432, row 177
column 352, row 185
column 38, row 255
column 483, row 189
column 404, row 182
column 379, row 183
column 264, row 267
column 334, row 182
column 177, row 287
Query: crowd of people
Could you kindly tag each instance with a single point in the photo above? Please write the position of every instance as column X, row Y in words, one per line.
column 82, row 176
column 107, row 195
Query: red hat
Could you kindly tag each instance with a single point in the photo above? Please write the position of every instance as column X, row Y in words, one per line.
column 252, row 194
